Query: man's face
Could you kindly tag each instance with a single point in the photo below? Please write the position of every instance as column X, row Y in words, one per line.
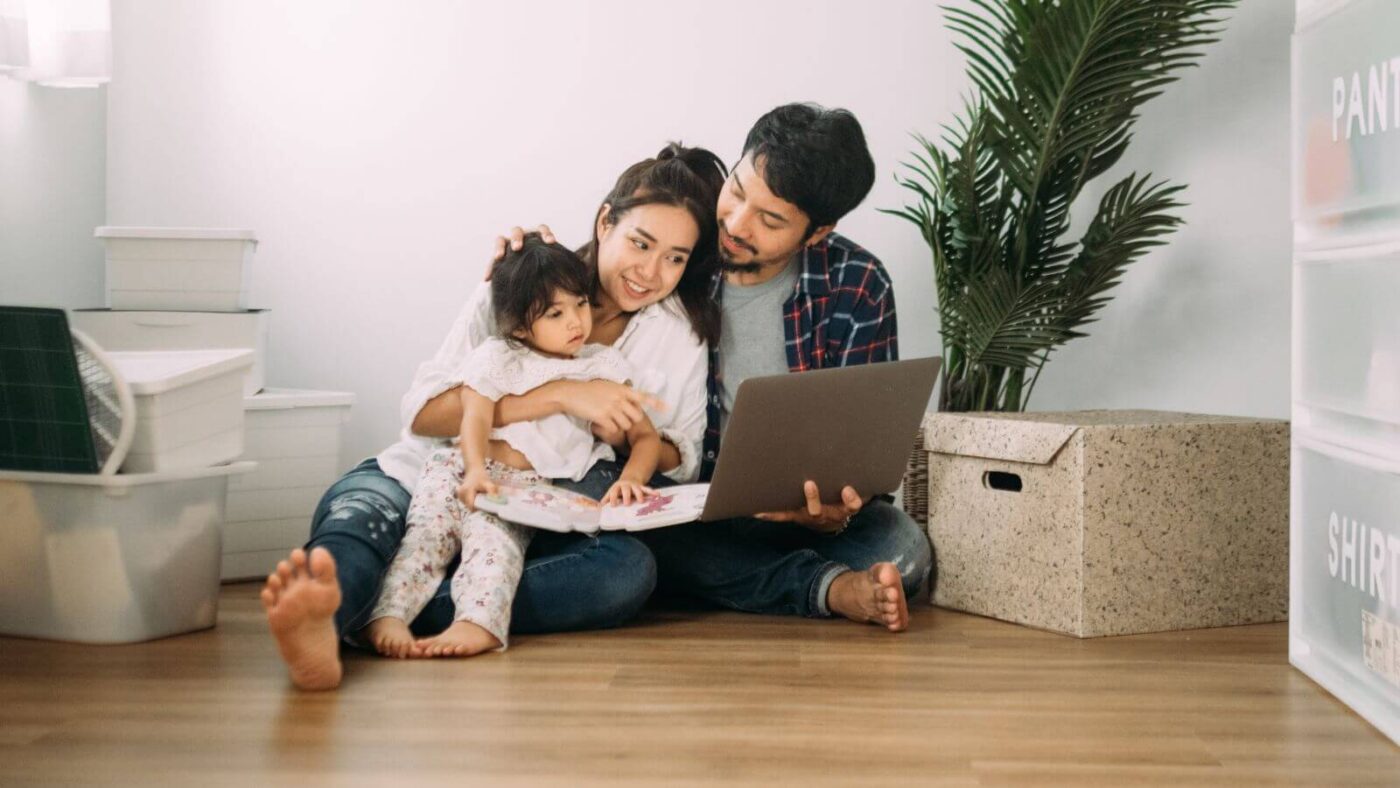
column 757, row 228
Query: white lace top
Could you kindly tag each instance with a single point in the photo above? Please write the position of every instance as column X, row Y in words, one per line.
column 559, row 446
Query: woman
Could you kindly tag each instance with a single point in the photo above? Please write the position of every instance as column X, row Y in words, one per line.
column 653, row 252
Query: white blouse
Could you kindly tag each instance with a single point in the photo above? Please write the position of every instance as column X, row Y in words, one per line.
column 667, row 359
column 558, row 446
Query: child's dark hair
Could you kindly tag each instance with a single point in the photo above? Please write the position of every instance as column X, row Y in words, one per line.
column 688, row 178
column 813, row 157
column 523, row 283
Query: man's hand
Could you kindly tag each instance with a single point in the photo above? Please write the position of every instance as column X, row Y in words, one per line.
column 611, row 407
column 515, row 241
column 820, row 517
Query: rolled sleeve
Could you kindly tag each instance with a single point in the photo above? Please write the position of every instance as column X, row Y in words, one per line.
column 686, row 428
column 442, row 372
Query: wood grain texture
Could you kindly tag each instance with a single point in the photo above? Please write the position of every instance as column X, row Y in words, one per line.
column 691, row 697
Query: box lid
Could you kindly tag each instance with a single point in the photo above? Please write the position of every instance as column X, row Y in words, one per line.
column 126, row 480
column 165, row 315
column 995, row 437
column 1037, row 437
column 177, row 233
column 281, row 399
column 158, row 371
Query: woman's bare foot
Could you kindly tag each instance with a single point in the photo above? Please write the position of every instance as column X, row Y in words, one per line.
column 391, row 638
column 875, row 596
column 462, row 639
column 301, row 598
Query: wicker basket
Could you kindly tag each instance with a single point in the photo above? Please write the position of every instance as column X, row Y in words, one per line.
column 916, row 482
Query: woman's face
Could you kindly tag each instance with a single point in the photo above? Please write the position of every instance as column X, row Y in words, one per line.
column 642, row 255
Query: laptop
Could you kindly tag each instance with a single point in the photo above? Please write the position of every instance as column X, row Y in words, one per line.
column 847, row 426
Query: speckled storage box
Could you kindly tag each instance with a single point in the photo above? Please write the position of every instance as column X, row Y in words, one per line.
column 1109, row 522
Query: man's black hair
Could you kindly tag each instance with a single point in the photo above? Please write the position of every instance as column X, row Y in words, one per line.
column 813, row 157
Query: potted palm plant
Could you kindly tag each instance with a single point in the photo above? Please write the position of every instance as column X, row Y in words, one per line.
column 1058, row 87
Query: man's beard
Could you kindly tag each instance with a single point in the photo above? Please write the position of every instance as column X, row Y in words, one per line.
column 740, row 268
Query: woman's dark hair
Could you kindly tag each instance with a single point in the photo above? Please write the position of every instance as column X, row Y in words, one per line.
column 523, row 283
column 689, row 178
column 813, row 157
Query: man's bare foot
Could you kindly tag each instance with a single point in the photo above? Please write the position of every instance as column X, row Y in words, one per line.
column 462, row 639
column 391, row 638
column 875, row 595
column 301, row 598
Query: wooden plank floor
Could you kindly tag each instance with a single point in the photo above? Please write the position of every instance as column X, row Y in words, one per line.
column 691, row 697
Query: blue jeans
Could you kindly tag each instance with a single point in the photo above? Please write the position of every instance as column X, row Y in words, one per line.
column 571, row 581
column 776, row 568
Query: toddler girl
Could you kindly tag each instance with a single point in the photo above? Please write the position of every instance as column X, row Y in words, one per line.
column 541, row 299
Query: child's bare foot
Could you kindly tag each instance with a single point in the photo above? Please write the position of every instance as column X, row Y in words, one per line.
column 462, row 639
column 875, row 595
column 301, row 598
column 391, row 638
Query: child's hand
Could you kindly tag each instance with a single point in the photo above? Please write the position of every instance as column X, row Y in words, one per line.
column 614, row 438
column 626, row 493
column 475, row 481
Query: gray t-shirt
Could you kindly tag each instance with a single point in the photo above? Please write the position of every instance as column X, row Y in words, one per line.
column 752, row 341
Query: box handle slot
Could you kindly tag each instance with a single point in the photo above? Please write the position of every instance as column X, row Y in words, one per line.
column 1001, row 480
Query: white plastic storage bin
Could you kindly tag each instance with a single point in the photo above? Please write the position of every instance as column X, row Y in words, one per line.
column 151, row 330
column 178, row 268
column 1346, row 128
column 111, row 559
column 1344, row 611
column 1347, row 330
column 295, row 436
column 189, row 407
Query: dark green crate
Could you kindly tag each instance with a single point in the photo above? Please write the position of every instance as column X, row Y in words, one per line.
column 44, row 422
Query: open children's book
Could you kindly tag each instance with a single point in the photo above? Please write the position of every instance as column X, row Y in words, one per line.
column 556, row 509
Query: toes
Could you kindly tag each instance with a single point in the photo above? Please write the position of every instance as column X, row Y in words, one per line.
column 284, row 571
column 322, row 564
column 274, row 584
column 269, row 599
column 299, row 559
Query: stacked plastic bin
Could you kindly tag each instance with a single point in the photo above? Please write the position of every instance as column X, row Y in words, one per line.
column 1344, row 627
column 293, row 435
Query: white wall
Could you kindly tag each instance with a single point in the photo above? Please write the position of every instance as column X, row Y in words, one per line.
column 1203, row 324
column 377, row 148
column 53, row 172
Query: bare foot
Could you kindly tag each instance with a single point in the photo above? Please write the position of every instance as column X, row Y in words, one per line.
column 301, row 598
column 391, row 638
column 462, row 639
column 875, row 596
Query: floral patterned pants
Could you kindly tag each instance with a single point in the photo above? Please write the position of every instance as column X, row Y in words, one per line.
column 440, row 526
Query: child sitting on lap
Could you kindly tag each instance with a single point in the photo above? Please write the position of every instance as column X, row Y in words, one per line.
column 541, row 297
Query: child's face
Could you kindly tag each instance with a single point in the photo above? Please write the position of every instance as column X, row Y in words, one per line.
column 564, row 326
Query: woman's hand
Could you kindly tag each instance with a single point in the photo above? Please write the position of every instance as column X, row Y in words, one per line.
column 475, row 481
column 611, row 407
column 515, row 241
column 626, row 492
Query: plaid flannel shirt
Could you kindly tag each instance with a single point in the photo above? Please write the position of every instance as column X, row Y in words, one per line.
column 840, row 313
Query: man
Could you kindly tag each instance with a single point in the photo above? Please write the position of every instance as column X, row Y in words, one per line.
column 797, row 296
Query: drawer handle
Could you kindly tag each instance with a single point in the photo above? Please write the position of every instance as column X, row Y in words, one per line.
column 1001, row 480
